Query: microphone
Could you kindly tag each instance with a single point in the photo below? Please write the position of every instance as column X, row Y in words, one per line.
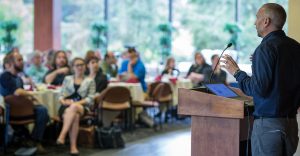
column 211, row 75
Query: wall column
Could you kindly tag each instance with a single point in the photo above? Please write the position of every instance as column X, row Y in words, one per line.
column 293, row 19
column 47, row 18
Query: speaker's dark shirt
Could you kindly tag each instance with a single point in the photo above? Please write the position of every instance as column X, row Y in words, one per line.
column 275, row 80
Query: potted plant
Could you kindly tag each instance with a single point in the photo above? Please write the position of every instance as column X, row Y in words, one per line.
column 165, row 39
column 98, row 37
column 8, row 40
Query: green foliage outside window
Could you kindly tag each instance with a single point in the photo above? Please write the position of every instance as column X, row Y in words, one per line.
column 165, row 39
column 135, row 22
column 8, row 40
column 17, row 12
column 233, row 30
column 98, row 37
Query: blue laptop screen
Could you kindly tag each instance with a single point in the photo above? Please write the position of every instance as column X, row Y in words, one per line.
column 221, row 90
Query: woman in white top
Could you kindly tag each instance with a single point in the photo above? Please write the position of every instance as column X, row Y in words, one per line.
column 76, row 97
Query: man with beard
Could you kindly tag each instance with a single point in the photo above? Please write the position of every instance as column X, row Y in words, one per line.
column 60, row 69
column 12, row 84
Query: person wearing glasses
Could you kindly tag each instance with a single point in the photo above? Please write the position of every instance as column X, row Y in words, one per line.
column 77, row 95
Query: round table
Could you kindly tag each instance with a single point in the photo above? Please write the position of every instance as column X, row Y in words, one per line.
column 49, row 99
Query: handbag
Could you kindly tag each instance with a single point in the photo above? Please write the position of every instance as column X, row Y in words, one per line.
column 109, row 137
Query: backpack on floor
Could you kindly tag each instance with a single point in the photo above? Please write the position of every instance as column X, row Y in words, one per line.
column 109, row 137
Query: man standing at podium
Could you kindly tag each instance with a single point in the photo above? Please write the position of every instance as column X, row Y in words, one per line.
column 274, row 85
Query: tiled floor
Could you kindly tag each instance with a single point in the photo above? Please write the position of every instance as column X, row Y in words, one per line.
column 176, row 143
column 174, row 139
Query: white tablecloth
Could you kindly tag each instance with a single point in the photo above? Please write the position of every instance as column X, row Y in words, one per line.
column 49, row 99
column 180, row 83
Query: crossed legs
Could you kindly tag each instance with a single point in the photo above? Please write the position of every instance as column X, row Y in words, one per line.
column 71, row 120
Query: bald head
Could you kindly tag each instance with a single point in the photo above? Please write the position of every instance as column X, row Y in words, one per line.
column 276, row 13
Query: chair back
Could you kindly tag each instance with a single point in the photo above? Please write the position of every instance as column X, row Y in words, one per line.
column 21, row 109
column 116, row 98
column 151, row 88
column 117, row 94
column 162, row 92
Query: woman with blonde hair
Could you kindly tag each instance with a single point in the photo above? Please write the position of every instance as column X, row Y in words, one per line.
column 170, row 68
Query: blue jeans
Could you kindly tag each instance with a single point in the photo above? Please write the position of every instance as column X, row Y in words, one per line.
column 41, row 120
column 274, row 137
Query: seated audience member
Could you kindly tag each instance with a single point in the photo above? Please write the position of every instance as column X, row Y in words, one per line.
column 69, row 54
column 77, row 95
column 196, row 71
column 219, row 76
column 60, row 69
column 36, row 70
column 25, row 78
column 170, row 68
column 123, row 56
column 109, row 65
column 12, row 84
column 133, row 69
column 15, row 50
column 94, row 72
column 89, row 54
column 101, row 84
column 169, row 71
column 98, row 54
column 49, row 59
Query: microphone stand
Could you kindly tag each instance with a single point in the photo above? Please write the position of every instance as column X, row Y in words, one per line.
column 211, row 75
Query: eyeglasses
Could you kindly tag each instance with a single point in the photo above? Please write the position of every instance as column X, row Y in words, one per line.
column 79, row 65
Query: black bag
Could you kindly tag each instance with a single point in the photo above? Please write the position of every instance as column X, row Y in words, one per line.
column 109, row 137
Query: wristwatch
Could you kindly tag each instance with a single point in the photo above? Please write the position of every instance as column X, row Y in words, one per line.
column 236, row 72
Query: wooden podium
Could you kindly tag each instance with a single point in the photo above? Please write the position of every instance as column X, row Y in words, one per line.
column 218, row 123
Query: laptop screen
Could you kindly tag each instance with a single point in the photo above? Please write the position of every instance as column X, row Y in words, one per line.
column 221, row 90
